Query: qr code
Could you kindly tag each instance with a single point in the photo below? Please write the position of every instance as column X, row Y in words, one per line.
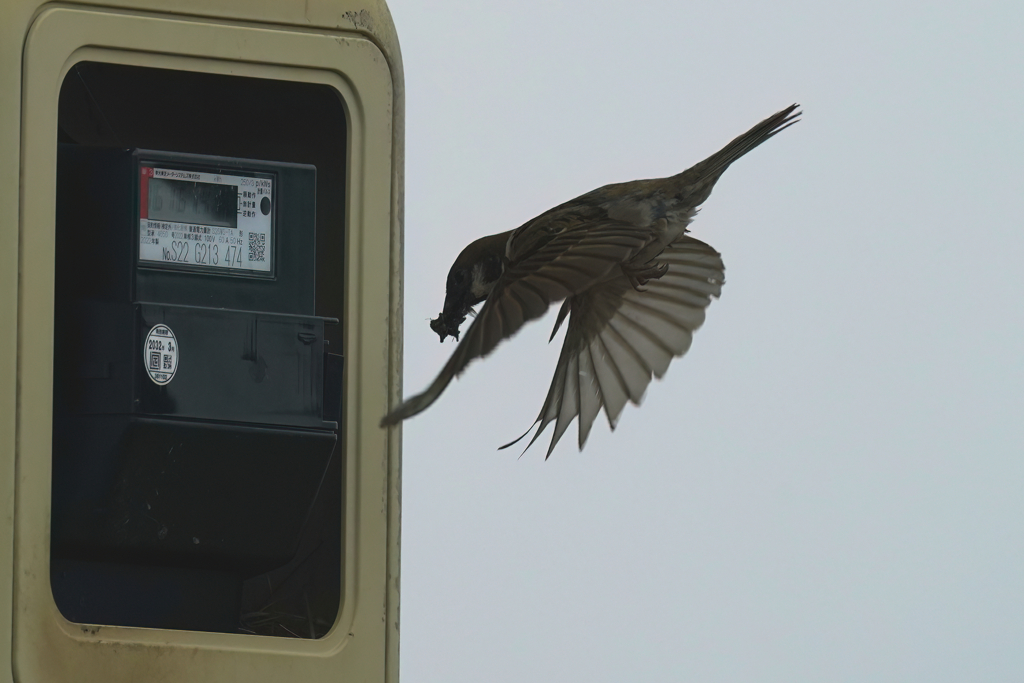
column 154, row 360
column 257, row 247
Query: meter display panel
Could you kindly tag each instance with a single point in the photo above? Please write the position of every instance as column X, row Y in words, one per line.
column 207, row 221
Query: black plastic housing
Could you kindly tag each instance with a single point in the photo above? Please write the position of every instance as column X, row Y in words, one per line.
column 211, row 476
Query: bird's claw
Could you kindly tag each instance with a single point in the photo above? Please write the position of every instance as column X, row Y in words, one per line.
column 640, row 276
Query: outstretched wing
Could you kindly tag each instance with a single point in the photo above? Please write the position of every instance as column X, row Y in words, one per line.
column 571, row 258
column 619, row 337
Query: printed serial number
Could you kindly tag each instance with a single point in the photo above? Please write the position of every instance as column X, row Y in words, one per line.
column 202, row 254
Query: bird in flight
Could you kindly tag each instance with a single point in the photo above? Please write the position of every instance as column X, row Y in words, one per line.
column 632, row 283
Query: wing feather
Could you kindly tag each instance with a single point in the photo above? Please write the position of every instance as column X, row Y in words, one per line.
column 570, row 400
column 618, row 338
column 614, row 392
column 590, row 393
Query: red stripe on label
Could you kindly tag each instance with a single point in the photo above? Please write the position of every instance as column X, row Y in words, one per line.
column 146, row 173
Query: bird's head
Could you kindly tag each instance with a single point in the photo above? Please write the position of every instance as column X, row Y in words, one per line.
column 470, row 281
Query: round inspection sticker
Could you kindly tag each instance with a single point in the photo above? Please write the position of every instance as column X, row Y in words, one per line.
column 160, row 354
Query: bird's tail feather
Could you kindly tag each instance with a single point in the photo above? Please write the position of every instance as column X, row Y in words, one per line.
column 711, row 168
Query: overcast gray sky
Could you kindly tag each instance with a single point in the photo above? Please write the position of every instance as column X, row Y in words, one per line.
column 830, row 485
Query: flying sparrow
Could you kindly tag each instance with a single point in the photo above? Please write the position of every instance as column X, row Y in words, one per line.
column 633, row 285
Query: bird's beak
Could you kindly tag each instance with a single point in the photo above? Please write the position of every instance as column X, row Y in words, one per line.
column 451, row 318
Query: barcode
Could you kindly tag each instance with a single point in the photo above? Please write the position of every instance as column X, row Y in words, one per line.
column 257, row 246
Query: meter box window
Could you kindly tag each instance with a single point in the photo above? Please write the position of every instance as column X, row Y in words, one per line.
column 198, row 361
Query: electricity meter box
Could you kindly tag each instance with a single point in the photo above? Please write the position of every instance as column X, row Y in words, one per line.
column 200, row 329
column 196, row 404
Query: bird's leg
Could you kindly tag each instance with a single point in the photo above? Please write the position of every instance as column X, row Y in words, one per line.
column 639, row 276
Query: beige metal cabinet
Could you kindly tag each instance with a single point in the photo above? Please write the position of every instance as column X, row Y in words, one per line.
column 347, row 48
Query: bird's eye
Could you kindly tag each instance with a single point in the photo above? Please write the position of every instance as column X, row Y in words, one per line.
column 457, row 277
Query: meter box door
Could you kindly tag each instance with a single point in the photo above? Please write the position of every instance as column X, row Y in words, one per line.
column 200, row 330
column 191, row 428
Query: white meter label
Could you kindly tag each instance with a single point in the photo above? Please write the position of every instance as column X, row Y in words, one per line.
column 160, row 354
column 212, row 221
